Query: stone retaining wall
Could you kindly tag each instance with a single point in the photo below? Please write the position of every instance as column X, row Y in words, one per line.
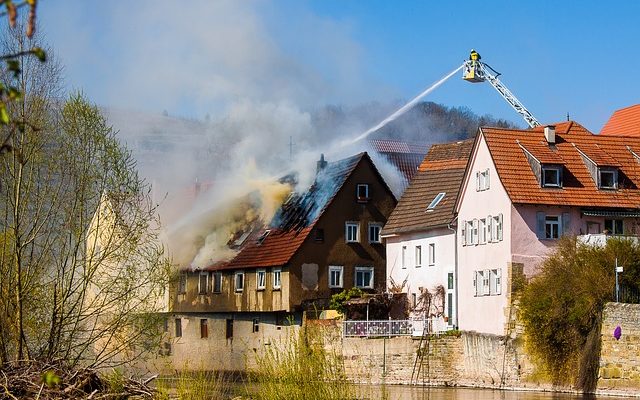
column 620, row 359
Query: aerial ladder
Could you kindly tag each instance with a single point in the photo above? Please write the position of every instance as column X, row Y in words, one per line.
column 476, row 71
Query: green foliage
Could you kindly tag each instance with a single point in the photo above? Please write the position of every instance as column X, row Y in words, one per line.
column 562, row 305
column 337, row 300
column 301, row 368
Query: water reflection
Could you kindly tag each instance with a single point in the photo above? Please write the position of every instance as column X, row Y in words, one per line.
column 392, row 392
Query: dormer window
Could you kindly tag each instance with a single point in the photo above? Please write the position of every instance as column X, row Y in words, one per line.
column 551, row 176
column 607, row 178
column 362, row 192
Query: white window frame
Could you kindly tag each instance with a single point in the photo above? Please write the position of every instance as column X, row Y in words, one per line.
column 432, row 254
column 217, row 279
column 482, row 180
column 261, row 274
column 418, row 256
column 558, row 175
column 482, row 231
column 486, row 283
column 340, row 270
column 277, row 278
column 202, row 290
column 496, row 281
column 375, row 226
column 436, row 200
column 236, row 275
column 474, row 231
column 613, row 172
column 549, row 221
column 363, row 270
column 403, row 257
column 348, row 230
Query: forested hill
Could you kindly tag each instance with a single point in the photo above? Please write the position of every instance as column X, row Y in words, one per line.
column 427, row 122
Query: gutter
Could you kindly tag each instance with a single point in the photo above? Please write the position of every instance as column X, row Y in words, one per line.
column 455, row 269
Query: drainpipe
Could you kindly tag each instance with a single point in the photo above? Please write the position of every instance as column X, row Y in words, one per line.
column 455, row 269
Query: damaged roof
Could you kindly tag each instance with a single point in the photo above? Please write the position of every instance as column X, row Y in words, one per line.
column 294, row 220
column 405, row 156
column 442, row 171
column 573, row 141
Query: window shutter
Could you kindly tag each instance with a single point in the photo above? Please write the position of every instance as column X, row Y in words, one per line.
column 478, row 181
column 475, row 283
column 474, row 234
column 540, row 224
column 566, row 222
column 498, row 281
column 487, row 186
column 486, row 282
column 464, row 233
column 500, row 228
column 489, row 229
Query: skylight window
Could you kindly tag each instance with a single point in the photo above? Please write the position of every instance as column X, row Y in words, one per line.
column 263, row 236
column 435, row 201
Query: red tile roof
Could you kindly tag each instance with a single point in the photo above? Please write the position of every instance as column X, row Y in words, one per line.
column 443, row 172
column 398, row 146
column 623, row 122
column 294, row 220
column 579, row 188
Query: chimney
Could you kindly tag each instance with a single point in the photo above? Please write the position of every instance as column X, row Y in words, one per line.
column 321, row 164
column 550, row 134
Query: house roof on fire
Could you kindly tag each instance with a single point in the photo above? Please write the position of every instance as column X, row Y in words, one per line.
column 275, row 244
column 422, row 206
column 579, row 153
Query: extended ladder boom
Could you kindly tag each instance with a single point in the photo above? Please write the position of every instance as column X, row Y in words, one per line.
column 477, row 71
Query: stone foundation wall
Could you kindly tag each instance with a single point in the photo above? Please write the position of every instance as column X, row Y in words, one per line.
column 620, row 359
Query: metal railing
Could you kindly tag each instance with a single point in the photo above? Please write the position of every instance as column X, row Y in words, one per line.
column 405, row 327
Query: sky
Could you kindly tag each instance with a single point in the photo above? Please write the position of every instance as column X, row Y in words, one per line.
column 199, row 58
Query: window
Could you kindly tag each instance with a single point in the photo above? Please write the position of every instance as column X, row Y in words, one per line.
column 261, row 279
column 204, row 329
column 482, row 231
column 203, row 283
column 607, row 178
column 474, row 231
column 374, row 232
column 450, row 280
column 335, row 276
column 319, row 237
column 551, row 227
column 418, row 256
column 178, row 322
column 262, row 237
column 450, row 309
column 432, row 253
column 496, row 228
column 551, row 176
column 495, row 281
column 352, row 233
column 482, row 180
column 182, row 283
column 362, row 192
column 217, row 282
column 478, row 282
column 435, row 201
column 239, row 281
column 404, row 257
column 277, row 278
column 364, row 277
column 486, row 281
column 256, row 325
column 228, row 332
column 613, row 226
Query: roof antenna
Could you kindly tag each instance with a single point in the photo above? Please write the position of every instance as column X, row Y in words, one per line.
column 568, row 116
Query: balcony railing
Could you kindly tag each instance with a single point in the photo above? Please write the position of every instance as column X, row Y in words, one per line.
column 600, row 239
column 389, row 328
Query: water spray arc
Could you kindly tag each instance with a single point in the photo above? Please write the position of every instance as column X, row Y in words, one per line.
column 404, row 108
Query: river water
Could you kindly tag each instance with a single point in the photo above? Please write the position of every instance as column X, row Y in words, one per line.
column 393, row 392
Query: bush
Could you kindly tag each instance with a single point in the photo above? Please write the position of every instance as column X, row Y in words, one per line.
column 562, row 305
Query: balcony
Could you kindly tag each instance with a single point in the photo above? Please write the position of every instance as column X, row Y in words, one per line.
column 600, row 239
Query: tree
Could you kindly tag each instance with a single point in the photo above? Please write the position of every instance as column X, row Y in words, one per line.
column 83, row 272
column 561, row 306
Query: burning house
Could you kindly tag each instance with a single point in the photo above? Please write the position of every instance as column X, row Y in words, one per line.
column 318, row 243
